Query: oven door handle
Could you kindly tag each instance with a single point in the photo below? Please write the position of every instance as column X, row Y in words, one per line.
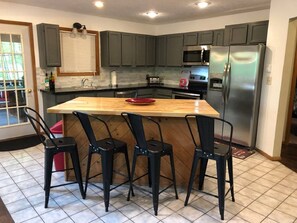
column 185, row 94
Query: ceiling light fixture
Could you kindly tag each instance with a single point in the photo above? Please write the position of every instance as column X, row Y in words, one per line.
column 99, row 4
column 202, row 5
column 152, row 14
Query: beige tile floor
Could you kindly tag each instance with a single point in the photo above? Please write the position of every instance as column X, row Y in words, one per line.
column 266, row 191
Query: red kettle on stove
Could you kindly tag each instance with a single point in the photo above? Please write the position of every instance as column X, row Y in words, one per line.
column 183, row 82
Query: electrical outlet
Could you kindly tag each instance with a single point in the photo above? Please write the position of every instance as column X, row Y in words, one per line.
column 268, row 80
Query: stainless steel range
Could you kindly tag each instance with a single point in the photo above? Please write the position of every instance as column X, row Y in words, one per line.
column 196, row 89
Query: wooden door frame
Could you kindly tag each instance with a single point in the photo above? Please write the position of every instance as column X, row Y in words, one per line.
column 291, row 100
column 33, row 63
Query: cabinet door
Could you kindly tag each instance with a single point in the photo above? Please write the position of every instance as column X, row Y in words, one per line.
column 174, row 50
column 190, row 39
column 140, row 50
column 150, row 50
column 257, row 32
column 205, row 38
column 114, row 48
column 236, row 34
column 107, row 94
column 128, row 49
column 49, row 45
column 161, row 51
column 218, row 37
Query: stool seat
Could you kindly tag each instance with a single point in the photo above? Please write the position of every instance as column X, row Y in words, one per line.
column 61, row 143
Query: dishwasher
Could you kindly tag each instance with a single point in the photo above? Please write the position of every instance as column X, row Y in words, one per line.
column 126, row 94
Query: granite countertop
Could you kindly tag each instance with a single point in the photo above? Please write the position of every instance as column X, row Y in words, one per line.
column 120, row 87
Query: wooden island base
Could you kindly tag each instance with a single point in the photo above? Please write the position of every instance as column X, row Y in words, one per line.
column 169, row 113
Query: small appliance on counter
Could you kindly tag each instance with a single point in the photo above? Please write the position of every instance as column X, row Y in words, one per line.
column 153, row 80
column 113, row 79
column 183, row 82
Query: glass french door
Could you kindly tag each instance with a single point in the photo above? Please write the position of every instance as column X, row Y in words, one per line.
column 16, row 81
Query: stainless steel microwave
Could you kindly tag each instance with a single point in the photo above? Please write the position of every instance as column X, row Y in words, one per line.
column 196, row 55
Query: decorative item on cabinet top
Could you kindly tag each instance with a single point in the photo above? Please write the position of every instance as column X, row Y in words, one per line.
column 79, row 27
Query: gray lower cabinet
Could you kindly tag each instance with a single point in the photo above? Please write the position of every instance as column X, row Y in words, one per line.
column 174, row 50
column 50, row 100
column 140, row 50
column 110, row 44
column 218, row 37
column 106, row 94
column 145, row 93
column 235, row 34
column 161, row 51
column 257, row 32
column 150, row 59
column 128, row 41
column 163, row 93
column 191, row 39
column 205, row 38
column 49, row 45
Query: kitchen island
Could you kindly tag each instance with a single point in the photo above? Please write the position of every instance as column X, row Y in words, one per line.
column 169, row 113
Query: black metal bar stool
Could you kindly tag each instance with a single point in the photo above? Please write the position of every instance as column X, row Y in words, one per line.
column 106, row 148
column 53, row 146
column 154, row 150
column 210, row 149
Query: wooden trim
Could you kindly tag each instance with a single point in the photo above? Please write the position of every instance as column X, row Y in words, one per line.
column 33, row 62
column 272, row 158
column 96, row 33
column 291, row 100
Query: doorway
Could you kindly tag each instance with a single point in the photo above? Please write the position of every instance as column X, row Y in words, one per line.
column 18, row 87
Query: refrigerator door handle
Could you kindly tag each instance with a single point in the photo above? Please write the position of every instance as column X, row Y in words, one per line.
column 224, row 82
column 228, row 81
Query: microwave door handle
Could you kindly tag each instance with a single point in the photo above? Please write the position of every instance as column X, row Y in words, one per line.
column 224, row 83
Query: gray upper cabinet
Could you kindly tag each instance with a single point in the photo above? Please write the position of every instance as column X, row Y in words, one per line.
column 235, row 34
column 161, row 51
column 205, row 38
column 49, row 45
column 140, row 50
column 257, row 32
column 218, row 37
column 110, row 48
column 128, row 41
column 174, row 50
column 191, row 39
column 150, row 59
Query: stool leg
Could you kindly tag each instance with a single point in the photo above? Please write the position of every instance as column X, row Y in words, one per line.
column 155, row 163
column 77, row 171
column 106, row 158
column 149, row 172
column 48, row 167
column 128, row 168
column 132, row 174
column 88, row 169
column 202, row 172
column 230, row 170
column 192, row 177
column 221, row 173
column 173, row 173
column 111, row 178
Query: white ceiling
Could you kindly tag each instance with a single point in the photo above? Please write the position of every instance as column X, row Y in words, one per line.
column 169, row 10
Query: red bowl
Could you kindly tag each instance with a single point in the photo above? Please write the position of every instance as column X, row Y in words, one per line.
column 140, row 101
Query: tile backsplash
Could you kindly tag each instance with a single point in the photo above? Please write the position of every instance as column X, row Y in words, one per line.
column 125, row 76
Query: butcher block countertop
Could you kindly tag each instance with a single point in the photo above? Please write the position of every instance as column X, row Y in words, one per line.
column 115, row 106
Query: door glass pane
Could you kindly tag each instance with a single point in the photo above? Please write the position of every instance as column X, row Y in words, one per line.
column 3, row 117
column 12, row 81
column 11, row 99
column 13, row 116
column 21, row 98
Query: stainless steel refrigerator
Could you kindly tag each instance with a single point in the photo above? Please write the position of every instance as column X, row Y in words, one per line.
column 234, row 87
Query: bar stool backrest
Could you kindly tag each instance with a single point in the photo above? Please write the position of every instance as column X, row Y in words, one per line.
column 39, row 125
column 87, row 126
column 206, row 126
column 136, row 125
